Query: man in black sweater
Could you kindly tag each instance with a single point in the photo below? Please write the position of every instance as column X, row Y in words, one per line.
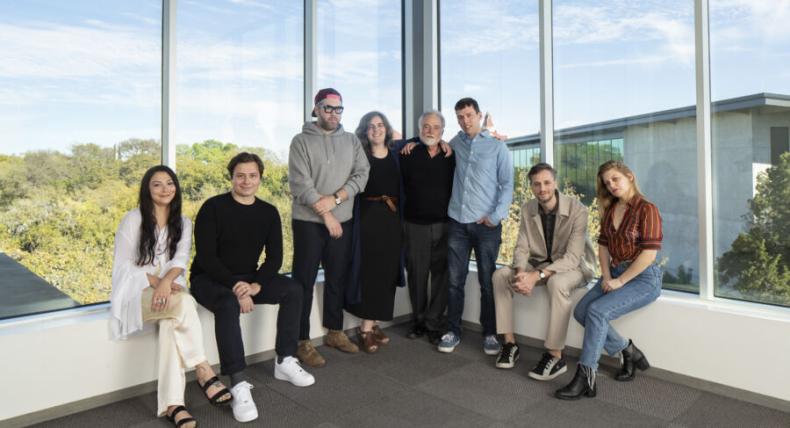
column 427, row 184
column 231, row 232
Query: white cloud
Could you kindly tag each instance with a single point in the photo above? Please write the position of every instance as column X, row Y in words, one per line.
column 252, row 3
column 746, row 24
column 473, row 28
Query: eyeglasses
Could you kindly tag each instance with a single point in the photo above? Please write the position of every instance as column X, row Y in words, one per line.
column 329, row 109
column 374, row 126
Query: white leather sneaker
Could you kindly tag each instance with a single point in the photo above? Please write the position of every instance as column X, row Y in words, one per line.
column 244, row 409
column 291, row 371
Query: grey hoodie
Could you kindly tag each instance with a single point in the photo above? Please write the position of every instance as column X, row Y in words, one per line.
column 322, row 164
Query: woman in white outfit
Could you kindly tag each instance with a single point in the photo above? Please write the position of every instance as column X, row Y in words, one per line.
column 152, row 248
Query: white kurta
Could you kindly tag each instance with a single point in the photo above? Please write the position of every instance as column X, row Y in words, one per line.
column 129, row 280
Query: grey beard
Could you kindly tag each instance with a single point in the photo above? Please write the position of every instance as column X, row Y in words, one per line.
column 430, row 141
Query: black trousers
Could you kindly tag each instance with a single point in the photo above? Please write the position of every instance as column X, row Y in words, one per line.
column 426, row 252
column 280, row 290
column 313, row 245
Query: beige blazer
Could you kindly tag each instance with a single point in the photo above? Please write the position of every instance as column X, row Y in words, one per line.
column 571, row 248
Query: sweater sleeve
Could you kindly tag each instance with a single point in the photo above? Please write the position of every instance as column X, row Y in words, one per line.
column 299, row 178
column 273, row 248
column 359, row 171
column 206, row 243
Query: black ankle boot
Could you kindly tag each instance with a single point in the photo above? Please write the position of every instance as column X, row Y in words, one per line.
column 633, row 359
column 582, row 385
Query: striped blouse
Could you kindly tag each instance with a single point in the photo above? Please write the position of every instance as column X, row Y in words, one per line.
column 639, row 230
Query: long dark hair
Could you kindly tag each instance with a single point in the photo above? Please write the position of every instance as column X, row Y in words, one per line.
column 362, row 130
column 146, row 250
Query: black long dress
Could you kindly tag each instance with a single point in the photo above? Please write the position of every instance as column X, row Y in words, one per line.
column 381, row 238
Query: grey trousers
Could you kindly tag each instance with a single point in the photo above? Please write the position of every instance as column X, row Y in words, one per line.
column 426, row 253
column 560, row 286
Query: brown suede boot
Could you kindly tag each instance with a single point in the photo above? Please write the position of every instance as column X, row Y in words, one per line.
column 307, row 354
column 338, row 339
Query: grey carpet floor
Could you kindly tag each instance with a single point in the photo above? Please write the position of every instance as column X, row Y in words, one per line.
column 409, row 384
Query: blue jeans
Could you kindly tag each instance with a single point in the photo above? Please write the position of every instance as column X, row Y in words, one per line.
column 596, row 309
column 462, row 238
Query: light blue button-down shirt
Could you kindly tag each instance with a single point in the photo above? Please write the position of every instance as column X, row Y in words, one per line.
column 483, row 181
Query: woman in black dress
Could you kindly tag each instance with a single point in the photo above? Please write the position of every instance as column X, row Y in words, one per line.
column 378, row 265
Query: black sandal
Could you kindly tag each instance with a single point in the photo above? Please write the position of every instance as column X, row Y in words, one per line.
column 215, row 399
column 172, row 417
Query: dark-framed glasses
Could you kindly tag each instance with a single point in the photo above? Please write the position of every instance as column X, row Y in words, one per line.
column 329, row 109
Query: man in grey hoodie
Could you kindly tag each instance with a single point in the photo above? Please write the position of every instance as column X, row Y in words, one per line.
column 327, row 167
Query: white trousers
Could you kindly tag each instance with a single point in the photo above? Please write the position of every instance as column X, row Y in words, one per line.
column 180, row 345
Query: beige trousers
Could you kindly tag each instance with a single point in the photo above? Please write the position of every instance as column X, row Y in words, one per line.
column 560, row 286
column 180, row 345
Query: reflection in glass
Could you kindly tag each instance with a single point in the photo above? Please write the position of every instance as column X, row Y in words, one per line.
column 359, row 54
column 624, row 89
column 751, row 164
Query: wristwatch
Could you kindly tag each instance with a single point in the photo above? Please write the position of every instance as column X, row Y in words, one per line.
column 337, row 199
column 541, row 274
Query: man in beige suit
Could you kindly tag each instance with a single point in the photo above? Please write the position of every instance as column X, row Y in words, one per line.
column 550, row 221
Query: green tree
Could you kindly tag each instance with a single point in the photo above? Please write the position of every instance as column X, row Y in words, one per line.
column 758, row 264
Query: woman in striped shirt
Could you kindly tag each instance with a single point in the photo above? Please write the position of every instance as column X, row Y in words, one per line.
column 630, row 279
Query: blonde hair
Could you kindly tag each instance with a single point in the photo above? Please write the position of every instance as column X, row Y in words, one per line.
column 602, row 194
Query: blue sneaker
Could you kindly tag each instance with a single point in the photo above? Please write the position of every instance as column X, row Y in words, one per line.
column 449, row 341
column 491, row 345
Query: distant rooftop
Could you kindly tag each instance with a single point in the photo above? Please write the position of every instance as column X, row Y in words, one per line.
column 619, row 125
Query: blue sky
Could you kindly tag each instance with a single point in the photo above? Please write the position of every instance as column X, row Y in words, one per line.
column 88, row 71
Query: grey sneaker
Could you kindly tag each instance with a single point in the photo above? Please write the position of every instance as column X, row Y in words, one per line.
column 449, row 341
column 548, row 368
column 491, row 345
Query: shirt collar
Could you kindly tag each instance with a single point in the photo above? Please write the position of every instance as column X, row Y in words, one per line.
column 483, row 133
column 634, row 202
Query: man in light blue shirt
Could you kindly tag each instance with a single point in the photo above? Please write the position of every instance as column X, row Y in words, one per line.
column 481, row 197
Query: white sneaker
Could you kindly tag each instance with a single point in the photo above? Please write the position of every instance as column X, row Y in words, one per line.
column 244, row 409
column 291, row 371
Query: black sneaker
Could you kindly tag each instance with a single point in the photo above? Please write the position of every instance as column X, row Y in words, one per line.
column 434, row 336
column 417, row 330
column 507, row 356
column 548, row 368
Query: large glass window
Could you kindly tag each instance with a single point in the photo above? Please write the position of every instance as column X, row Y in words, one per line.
column 80, row 119
column 750, row 88
column 624, row 89
column 239, row 87
column 490, row 52
column 359, row 54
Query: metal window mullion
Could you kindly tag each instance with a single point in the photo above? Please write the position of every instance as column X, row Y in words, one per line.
column 310, row 57
column 409, row 100
column 704, row 149
column 168, row 83
column 546, row 82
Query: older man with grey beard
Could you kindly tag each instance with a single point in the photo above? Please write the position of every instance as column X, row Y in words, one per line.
column 427, row 185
